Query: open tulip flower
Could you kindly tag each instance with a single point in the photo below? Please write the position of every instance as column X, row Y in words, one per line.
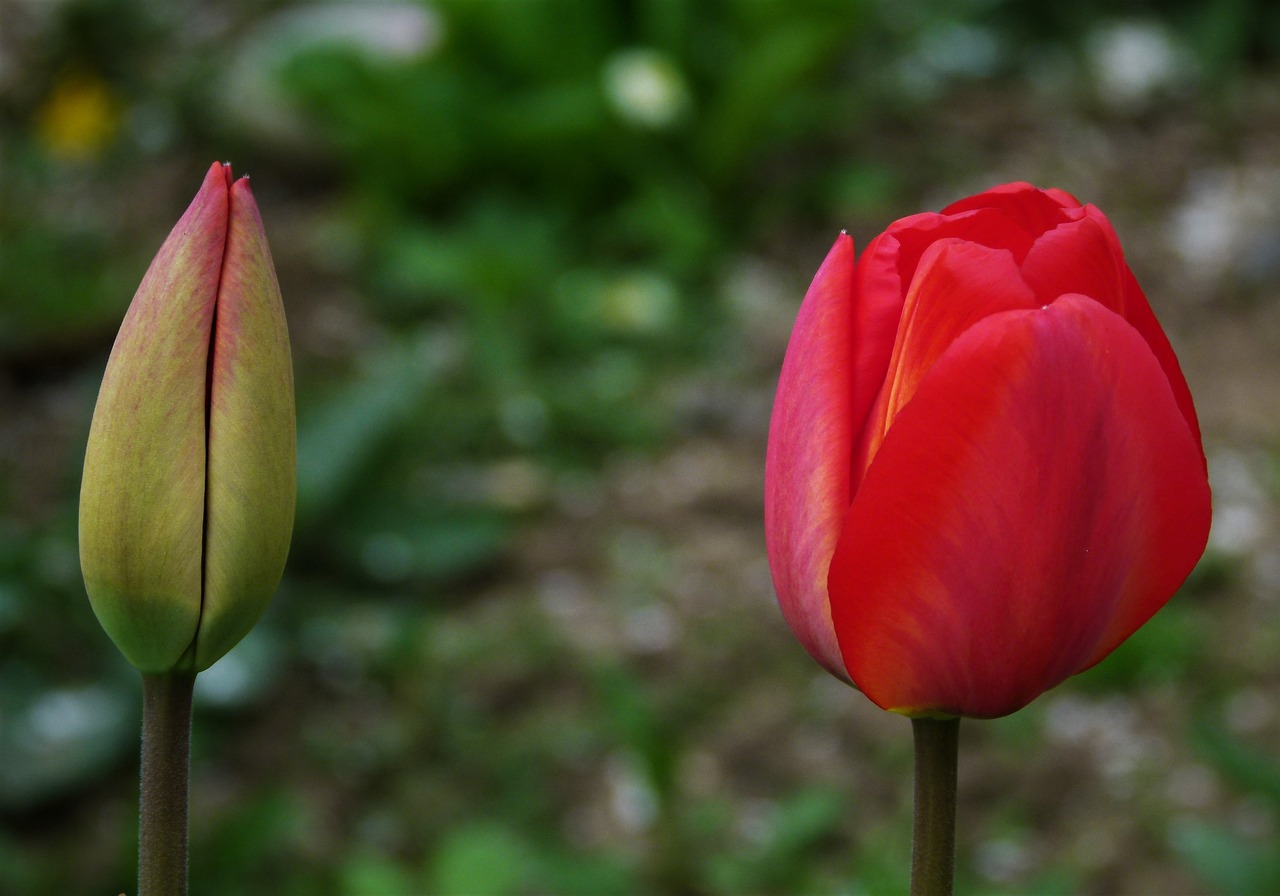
column 187, row 501
column 984, row 468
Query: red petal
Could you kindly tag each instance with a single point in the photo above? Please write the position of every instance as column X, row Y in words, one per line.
column 1137, row 311
column 810, row 442
column 1140, row 316
column 1063, row 198
column 912, row 236
column 1036, row 210
column 956, row 285
column 1085, row 257
column 1037, row 500
column 1077, row 257
column 887, row 267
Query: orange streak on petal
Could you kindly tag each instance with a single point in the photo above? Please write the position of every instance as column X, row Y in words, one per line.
column 957, row 284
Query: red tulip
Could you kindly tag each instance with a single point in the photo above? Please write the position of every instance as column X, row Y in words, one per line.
column 984, row 468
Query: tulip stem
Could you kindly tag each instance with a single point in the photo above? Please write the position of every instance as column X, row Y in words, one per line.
column 166, row 761
column 933, row 851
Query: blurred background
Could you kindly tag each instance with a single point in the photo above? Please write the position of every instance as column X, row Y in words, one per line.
column 540, row 260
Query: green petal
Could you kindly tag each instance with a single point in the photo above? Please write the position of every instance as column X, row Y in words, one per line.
column 142, row 495
column 252, row 475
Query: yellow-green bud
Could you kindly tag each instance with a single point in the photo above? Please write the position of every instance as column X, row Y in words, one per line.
column 187, row 501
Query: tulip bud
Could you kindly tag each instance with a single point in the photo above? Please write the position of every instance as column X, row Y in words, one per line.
column 187, row 500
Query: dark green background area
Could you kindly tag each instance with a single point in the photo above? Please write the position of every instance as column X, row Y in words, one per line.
column 540, row 261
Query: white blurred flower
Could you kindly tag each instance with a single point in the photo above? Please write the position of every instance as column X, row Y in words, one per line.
column 1240, row 503
column 1228, row 221
column 394, row 30
column 632, row 800
column 645, row 87
column 1133, row 61
column 252, row 93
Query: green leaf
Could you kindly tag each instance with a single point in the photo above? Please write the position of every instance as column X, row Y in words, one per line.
column 481, row 859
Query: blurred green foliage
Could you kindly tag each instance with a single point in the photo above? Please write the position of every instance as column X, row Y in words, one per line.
column 504, row 232
column 1232, row 858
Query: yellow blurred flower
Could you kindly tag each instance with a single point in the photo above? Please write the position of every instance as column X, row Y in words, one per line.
column 79, row 117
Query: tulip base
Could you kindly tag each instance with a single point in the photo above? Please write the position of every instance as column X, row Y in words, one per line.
column 934, row 836
column 166, row 762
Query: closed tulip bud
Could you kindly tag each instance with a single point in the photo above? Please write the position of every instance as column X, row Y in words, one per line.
column 187, row 501
column 984, row 468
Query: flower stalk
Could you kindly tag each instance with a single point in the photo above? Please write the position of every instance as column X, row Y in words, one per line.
column 166, row 759
column 934, row 836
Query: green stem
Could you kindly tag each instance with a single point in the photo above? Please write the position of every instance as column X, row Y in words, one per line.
column 166, row 761
column 933, row 853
